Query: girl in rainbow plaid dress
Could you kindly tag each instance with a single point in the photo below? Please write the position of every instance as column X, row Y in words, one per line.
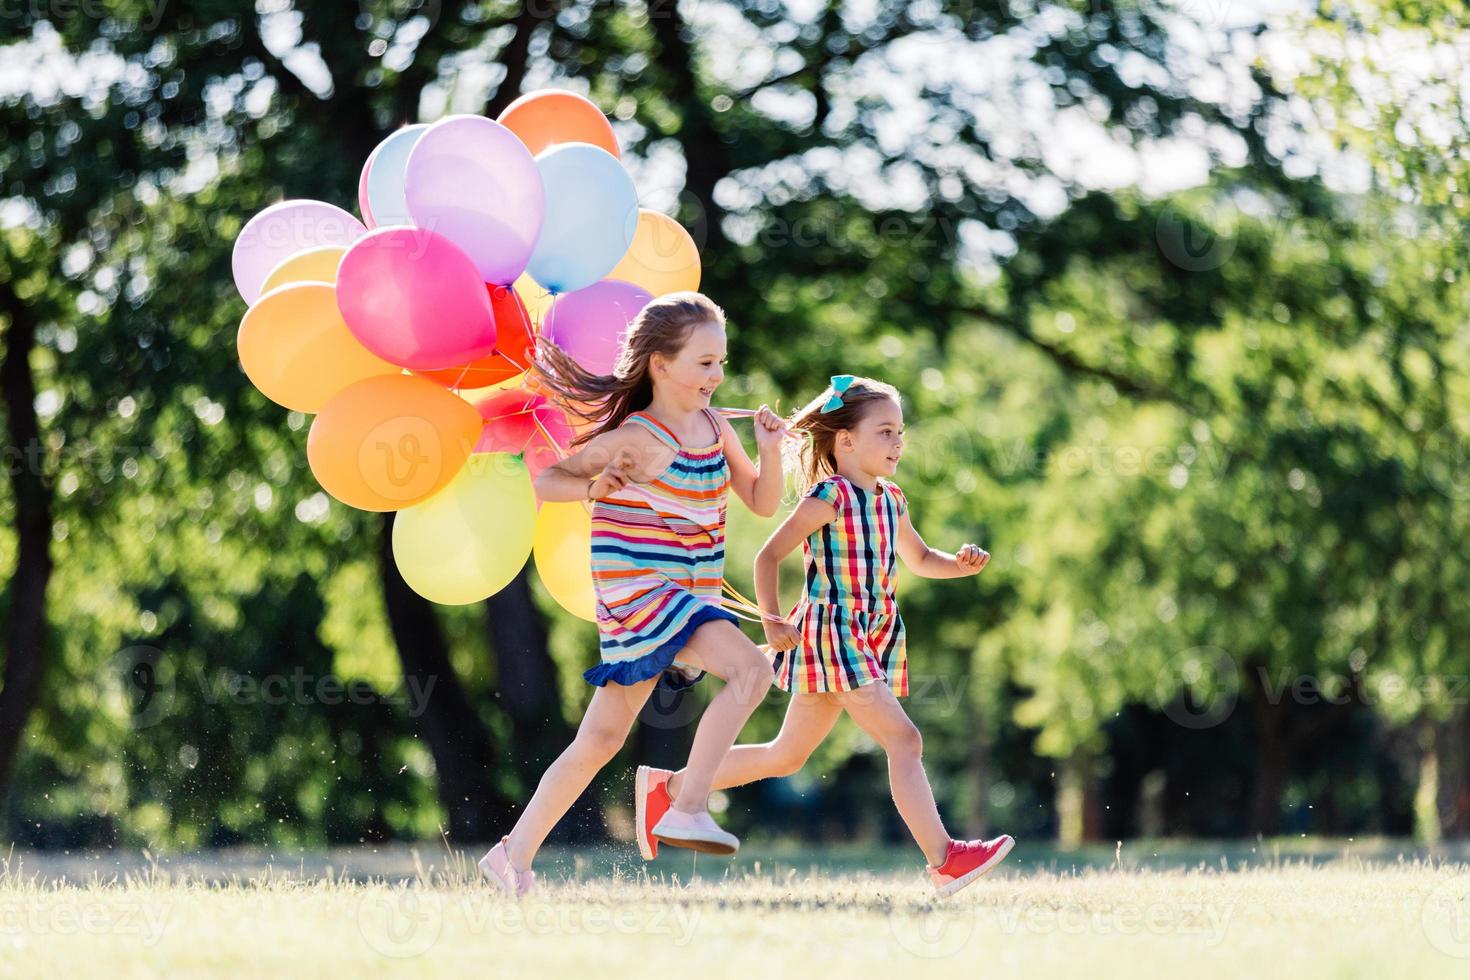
column 842, row 648
column 659, row 464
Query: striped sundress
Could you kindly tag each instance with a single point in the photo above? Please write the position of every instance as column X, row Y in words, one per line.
column 851, row 632
column 658, row 561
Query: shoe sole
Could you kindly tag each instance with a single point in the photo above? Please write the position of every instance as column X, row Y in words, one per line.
column 947, row 890
column 700, row 845
column 647, row 846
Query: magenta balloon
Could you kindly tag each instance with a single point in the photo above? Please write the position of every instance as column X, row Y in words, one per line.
column 589, row 324
column 282, row 230
column 413, row 298
column 473, row 181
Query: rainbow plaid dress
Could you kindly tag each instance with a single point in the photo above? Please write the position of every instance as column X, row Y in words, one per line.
column 658, row 560
column 851, row 632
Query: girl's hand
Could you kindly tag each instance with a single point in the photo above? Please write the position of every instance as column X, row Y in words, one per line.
column 614, row 476
column 971, row 559
column 769, row 428
column 781, row 635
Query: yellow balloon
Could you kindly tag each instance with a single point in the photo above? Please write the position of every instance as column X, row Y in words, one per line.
column 536, row 298
column 468, row 541
column 295, row 347
column 662, row 258
column 563, row 550
column 313, row 265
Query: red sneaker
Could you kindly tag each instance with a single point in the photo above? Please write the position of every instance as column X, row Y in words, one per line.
column 967, row 860
column 651, row 801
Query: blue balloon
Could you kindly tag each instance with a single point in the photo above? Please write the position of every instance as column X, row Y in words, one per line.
column 591, row 215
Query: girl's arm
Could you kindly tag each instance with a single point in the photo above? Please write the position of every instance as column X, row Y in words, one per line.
column 925, row 562
column 603, row 466
column 759, row 489
column 809, row 515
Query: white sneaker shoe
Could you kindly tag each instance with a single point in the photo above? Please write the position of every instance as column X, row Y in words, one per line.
column 496, row 866
column 696, row 831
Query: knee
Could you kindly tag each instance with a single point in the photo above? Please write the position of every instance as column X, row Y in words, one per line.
column 905, row 743
column 755, row 678
column 600, row 742
column 788, row 761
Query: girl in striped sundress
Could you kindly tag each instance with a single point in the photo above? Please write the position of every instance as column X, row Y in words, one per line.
column 842, row 648
column 659, row 465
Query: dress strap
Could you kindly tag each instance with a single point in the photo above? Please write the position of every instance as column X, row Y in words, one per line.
column 660, row 430
column 714, row 420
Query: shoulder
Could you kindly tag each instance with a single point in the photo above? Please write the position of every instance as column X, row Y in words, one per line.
column 892, row 491
column 722, row 424
column 629, row 436
column 833, row 490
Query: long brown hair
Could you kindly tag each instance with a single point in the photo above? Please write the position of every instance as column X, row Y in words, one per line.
column 663, row 327
column 815, row 457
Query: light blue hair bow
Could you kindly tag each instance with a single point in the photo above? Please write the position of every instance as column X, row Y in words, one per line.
column 840, row 384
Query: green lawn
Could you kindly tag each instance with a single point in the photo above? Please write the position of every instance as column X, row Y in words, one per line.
column 1306, row 909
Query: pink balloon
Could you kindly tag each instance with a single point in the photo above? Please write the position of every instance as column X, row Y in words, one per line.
column 473, row 181
column 282, row 230
column 415, row 299
column 589, row 323
column 525, row 423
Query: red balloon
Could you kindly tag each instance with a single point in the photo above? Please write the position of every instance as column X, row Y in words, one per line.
column 514, row 343
column 524, row 423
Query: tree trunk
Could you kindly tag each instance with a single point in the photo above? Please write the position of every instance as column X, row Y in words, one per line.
column 1454, row 787
column 529, row 689
column 464, row 754
column 25, row 622
column 1273, row 762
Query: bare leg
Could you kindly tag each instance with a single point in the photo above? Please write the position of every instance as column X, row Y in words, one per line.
column 809, row 717
column 877, row 712
column 720, row 648
column 603, row 731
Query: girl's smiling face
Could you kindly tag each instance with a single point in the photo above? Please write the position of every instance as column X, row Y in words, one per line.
column 692, row 376
column 875, row 444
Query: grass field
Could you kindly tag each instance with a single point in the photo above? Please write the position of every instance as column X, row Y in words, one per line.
column 1311, row 909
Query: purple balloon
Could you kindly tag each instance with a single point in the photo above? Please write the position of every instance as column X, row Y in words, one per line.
column 473, row 181
column 414, row 299
column 589, row 324
column 282, row 230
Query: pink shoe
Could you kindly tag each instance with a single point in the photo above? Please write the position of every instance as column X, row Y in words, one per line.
column 967, row 860
column 650, row 802
column 497, row 867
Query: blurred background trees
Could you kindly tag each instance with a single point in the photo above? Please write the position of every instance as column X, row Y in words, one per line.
column 1174, row 295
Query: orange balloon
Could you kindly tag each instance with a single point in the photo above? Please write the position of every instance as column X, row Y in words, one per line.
column 297, row 350
column 553, row 116
column 390, row 442
column 662, row 258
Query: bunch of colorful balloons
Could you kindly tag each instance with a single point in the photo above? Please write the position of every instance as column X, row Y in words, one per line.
column 409, row 334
